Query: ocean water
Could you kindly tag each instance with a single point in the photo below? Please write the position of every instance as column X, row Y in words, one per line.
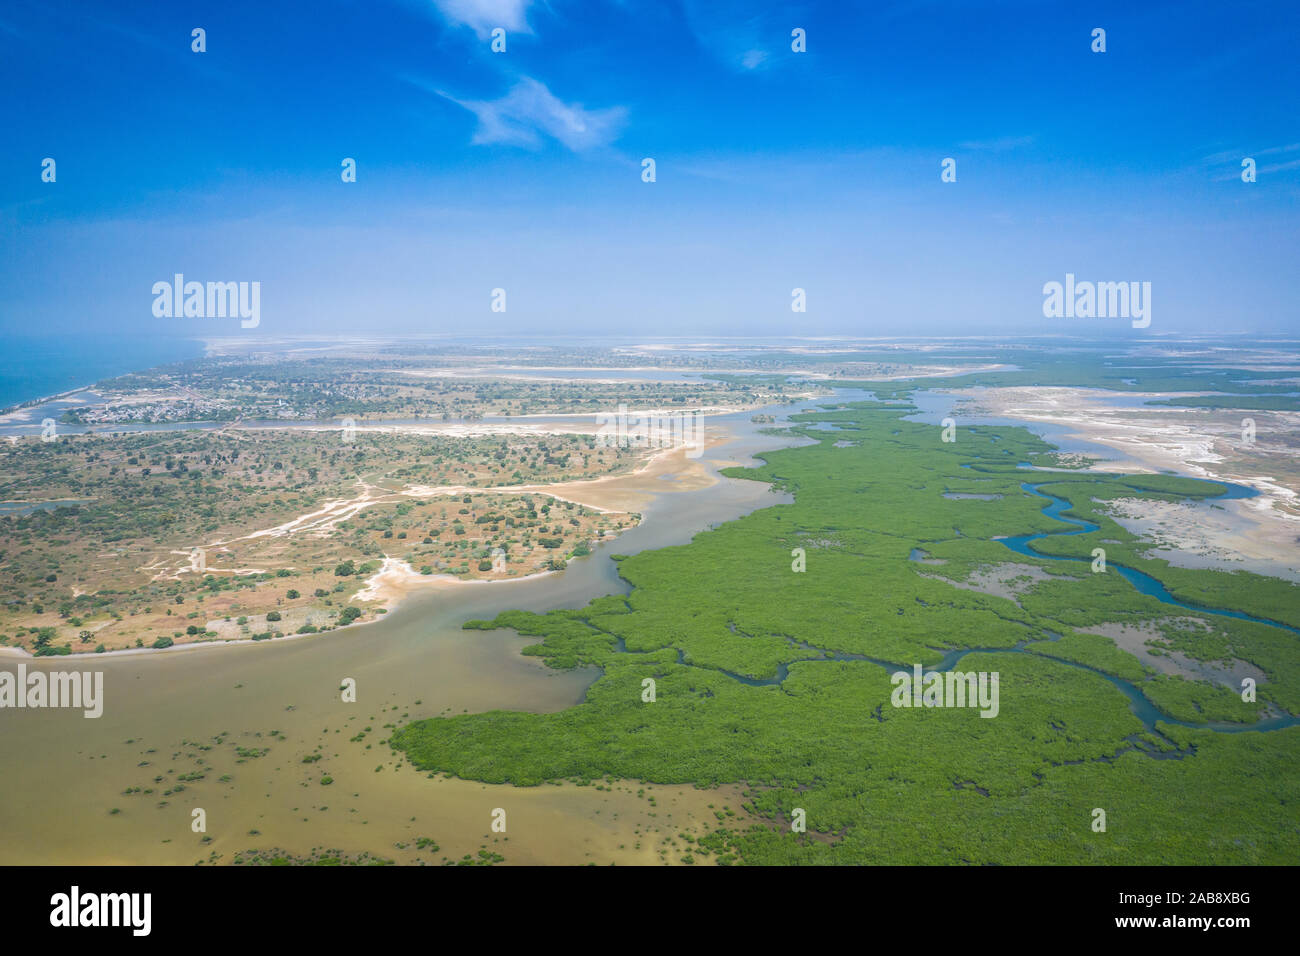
column 35, row 366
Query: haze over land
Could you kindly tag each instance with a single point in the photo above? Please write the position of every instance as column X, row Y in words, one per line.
column 391, row 505
column 713, row 432
column 775, row 169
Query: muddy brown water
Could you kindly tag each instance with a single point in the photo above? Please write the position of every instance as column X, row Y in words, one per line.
column 259, row 709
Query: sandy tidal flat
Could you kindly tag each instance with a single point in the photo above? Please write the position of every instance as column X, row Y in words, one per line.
column 1261, row 534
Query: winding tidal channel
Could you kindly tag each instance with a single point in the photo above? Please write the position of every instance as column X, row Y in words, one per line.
column 239, row 720
column 62, row 775
column 1055, row 508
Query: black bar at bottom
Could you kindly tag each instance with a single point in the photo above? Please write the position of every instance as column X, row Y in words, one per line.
column 303, row 904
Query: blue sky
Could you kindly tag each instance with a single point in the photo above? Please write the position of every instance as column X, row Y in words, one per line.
column 522, row 170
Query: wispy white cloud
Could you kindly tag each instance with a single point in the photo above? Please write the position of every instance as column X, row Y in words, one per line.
column 482, row 16
column 1214, row 159
column 739, row 35
column 1234, row 157
column 530, row 113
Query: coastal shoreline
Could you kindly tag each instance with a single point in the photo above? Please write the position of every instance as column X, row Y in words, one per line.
column 396, row 582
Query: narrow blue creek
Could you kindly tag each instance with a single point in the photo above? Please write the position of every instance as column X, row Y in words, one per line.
column 1141, row 707
column 1056, row 507
column 1145, row 583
